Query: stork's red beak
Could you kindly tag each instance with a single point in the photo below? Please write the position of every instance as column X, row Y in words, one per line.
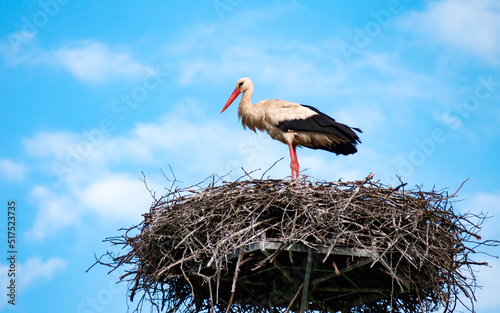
column 234, row 95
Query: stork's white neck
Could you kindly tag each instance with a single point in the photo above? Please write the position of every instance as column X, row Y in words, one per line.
column 246, row 98
column 251, row 115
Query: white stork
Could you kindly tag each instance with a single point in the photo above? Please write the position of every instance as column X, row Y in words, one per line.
column 293, row 124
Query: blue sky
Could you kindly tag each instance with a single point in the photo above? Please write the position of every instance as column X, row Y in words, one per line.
column 94, row 93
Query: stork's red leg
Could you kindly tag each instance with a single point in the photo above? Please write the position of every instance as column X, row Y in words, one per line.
column 297, row 166
column 292, row 159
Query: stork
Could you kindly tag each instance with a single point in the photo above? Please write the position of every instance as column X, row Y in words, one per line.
column 293, row 124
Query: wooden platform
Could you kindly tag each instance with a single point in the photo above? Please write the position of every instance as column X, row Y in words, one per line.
column 300, row 278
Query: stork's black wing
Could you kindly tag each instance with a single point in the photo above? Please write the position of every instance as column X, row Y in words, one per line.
column 322, row 123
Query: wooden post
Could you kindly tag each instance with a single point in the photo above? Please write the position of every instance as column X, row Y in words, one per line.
column 305, row 290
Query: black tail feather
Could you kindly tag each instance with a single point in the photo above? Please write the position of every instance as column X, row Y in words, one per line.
column 340, row 148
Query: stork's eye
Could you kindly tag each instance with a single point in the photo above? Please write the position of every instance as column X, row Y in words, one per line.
column 240, row 84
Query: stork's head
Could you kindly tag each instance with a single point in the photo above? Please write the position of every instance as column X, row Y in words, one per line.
column 242, row 85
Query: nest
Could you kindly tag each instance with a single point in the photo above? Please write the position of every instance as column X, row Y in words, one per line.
column 278, row 245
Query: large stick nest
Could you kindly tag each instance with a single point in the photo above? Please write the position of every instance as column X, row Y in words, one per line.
column 276, row 245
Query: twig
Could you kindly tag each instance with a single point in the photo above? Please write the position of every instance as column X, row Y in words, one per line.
column 461, row 185
column 143, row 179
column 294, row 298
column 235, row 279
column 262, row 177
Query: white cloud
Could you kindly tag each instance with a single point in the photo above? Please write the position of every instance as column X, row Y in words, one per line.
column 473, row 26
column 33, row 271
column 56, row 210
column 89, row 61
column 118, row 196
column 15, row 51
column 11, row 170
column 52, row 145
column 94, row 62
column 107, row 197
